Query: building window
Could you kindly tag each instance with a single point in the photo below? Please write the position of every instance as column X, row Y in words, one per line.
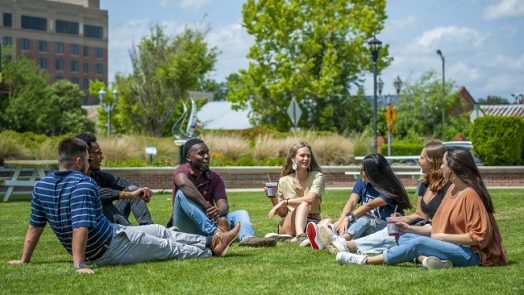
column 86, row 68
column 85, row 84
column 7, row 41
column 99, row 69
column 99, row 53
column 59, row 64
column 59, row 47
column 8, row 20
column 75, row 66
column 66, row 27
column 24, row 44
column 86, row 51
column 93, row 31
column 42, row 62
column 75, row 80
column 42, row 46
column 34, row 23
column 75, row 49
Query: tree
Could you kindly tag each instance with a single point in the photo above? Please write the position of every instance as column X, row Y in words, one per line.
column 31, row 104
column 492, row 99
column 310, row 50
column 419, row 109
column 164, row 70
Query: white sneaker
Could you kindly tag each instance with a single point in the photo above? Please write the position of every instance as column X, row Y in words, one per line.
column 432, row 262
column 340, row 243
column 304, row 243
column 313, row 236
column 350, row 258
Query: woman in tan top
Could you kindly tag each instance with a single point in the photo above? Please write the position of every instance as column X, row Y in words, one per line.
column 299, row 193
column 464, row 230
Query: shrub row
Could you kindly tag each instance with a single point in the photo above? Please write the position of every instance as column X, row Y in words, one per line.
column 499, row 140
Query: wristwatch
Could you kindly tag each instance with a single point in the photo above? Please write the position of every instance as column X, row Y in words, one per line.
column 78, row 266
column 351, row 216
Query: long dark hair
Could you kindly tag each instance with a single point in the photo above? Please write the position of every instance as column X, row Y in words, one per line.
column 460, row 161
column 383, row 179
column 313, row 166
column 435, row 179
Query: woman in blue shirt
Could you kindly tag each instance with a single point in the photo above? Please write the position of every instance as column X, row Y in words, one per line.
column 379, row 193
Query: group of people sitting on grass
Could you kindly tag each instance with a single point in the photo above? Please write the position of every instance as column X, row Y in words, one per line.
column 453, row 223
column 88, row 210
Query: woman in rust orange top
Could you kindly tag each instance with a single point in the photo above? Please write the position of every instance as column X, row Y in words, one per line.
column 464, row 230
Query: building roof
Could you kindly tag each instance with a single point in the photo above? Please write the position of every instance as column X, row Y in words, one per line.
column 220, row 115
column 503, row 110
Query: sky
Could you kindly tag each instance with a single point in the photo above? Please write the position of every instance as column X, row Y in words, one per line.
column 482, row 40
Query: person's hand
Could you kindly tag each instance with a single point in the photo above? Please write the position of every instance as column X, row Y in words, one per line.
column 344, row 223
column 16, row 262
column 403, row 226
column 275, row 208
column 148, row 194
column 212, row 213
column 86, row 271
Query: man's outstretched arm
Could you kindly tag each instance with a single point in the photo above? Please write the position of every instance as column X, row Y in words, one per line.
column 31, row 240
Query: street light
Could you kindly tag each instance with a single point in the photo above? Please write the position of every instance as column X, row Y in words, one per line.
column 374, row 46
column 398, row 85
column 108, row 106
column 443, row 87
column 380, row 85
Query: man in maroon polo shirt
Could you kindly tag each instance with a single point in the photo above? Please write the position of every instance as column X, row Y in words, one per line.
column 200, row 201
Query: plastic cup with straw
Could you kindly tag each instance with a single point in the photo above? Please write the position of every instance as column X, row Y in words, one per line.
column 271, row 187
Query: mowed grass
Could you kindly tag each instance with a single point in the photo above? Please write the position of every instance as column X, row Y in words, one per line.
column 285, row 269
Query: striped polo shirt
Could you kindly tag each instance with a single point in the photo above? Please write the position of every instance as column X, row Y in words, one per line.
column 67, row 200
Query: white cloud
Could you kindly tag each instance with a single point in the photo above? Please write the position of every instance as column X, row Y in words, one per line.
column 504, row 9
column 232, row 41
column 454, row 36
column 505, row 62
column 184, row 4
column 464, row 73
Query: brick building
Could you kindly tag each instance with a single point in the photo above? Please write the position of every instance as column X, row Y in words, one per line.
column 66, row 38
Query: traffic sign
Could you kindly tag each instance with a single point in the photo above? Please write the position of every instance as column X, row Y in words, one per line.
column 294, row 112
column 391, row 115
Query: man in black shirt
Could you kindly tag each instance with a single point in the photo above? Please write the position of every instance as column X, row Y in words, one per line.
column 113, row 188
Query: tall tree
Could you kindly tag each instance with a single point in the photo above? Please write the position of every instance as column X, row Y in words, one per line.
column 311, row 50
column 420, row 105
column 31, row 104
column 492, row 99
column 164, row 70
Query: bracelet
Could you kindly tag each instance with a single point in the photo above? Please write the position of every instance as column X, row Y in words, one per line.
column 122, row 195
column 79, row 266
column 351, row 216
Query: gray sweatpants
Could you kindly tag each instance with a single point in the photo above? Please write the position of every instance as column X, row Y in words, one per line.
column 133, row 244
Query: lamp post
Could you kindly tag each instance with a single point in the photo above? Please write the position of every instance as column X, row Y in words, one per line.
column 443, row 87
column 380, row 85
column 398, row 86
column 374, row 46
column 108, row 106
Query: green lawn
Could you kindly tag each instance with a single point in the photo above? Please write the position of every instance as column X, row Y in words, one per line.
column 286, row 269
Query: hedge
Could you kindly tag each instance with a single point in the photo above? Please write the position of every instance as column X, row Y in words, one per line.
column 402, row 149
column 499, row 140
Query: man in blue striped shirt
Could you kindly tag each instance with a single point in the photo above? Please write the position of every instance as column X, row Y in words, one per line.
column 68, row 200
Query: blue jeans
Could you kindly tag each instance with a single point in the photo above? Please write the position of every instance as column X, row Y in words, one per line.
column 411, row 246
column 364, row 226
column 190, row 218
column 132, row 244
column 376, row 242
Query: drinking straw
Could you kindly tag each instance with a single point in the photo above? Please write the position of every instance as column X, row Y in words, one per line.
column 268, row 178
